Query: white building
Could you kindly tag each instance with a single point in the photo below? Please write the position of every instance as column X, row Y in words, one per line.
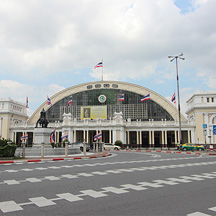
column 202, row 113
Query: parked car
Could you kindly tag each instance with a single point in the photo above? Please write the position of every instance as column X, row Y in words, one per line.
column 190, row 146
column 109, row 146
column 81, row 146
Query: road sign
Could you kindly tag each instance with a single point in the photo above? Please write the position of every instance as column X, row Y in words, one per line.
column 214, row 129
column 204, row 125
column 204, row 132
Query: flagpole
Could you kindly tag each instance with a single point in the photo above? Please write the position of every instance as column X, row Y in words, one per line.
column 102, row 69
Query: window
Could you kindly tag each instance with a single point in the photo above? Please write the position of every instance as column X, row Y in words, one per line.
column 212, row 99
column 207, row 100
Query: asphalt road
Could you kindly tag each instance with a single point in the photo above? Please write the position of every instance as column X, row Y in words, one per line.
column 126, row 183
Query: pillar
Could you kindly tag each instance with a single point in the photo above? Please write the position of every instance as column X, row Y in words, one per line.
column 128, row 138
column 137, row 139
column 165, row 140
column 110, row 136
column 140, row 139
column 189, row 137
column 153, row 139
column 162, row 138
column 150, row 138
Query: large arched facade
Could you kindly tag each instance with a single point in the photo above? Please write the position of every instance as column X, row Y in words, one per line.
column 87, row 94
column 151, row 123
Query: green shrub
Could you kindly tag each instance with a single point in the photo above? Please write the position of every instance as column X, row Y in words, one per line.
column 118, row 142
column 7, row 148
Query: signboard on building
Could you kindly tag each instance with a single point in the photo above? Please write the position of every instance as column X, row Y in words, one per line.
column 204, row 126
column 214, row 129
column 94, row 112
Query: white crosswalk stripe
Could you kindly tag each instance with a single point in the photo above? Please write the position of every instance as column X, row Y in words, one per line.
column 69, row 197
column 41, row 201
column 93, row 193
column 33, row 180
column 9, row 206
column 114, row 190
column 11, row 182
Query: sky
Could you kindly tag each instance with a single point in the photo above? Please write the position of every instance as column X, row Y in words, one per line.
column 49, row 45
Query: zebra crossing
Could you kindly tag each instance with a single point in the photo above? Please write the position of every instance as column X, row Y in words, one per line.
column 41, row 201
column 114, row 171
column 92, row 164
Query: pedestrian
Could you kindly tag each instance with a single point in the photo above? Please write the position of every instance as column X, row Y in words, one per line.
column 178, row 146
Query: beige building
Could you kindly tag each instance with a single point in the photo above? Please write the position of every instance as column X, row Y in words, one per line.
column 202, row 114
column 96, row 107
column 11, row 113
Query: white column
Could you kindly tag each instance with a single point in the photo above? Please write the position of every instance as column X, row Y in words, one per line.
column 114, row 136
column 189, row 137
column 162, row 137
column 140, row 138
column 153, row 138
column 87, row 138
column 150, row 138
column 110, row 136
column 176, row 140
column 74, row 135
column 165, row 140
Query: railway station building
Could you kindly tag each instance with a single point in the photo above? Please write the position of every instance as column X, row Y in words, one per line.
column 119, row 111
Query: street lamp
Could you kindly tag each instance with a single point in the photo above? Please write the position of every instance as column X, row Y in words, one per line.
column 179, row 113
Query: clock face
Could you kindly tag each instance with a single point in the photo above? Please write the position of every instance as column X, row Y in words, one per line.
column 102, row 98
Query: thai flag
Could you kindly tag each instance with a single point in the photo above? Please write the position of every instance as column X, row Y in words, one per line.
column 173, row 99
column 144, row 98
column 64, row 136
column 121, row 97
column 70, row 101
column 52, row 136
column 95, row 137
column 100, row 135
column 100, row 64
column 27, row 102
column 49, row 101
column 24, row 137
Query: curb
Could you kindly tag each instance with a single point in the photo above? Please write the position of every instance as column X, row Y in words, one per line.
column 55, row 159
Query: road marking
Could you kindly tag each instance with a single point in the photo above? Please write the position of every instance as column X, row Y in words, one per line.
column 41, row 201
column 12, row 206
column 9, row 206
column 69, row 197
column 114, row 190
column 93, row 193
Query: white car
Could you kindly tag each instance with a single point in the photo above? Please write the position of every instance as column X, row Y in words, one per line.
column 108, row 146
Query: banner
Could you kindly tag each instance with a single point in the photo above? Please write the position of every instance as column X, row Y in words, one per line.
column 94, row 112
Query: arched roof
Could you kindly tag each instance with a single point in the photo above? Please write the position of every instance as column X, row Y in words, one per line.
column 163, row 102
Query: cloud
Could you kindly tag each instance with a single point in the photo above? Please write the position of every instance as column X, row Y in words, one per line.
column 36, row 94
column 52, row 40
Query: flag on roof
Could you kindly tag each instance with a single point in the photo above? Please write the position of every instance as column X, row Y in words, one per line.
column 27, row 102
column 24, row 137
column 100, row 64
column 173, row 99
column 49, row 101
column 52, row 136
column 64, row 136
column 70, row 101
column 144, row 98
column 121, row 97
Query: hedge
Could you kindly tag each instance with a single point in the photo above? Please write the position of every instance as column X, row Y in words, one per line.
column 7, row 150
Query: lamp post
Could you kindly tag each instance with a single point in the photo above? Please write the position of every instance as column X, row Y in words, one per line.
column 179, row 113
